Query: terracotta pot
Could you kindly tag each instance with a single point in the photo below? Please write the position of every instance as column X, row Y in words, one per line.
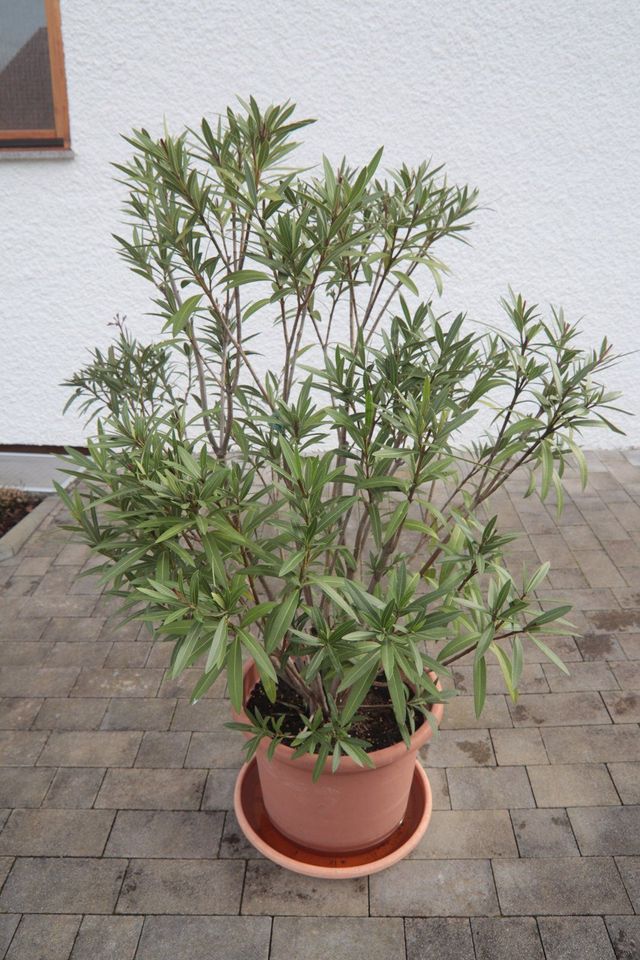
column 352, row 809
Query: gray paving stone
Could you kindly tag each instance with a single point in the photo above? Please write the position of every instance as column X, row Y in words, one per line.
column 206, row 716
column 521, row 746
column 627, row 674
column 613, row 622
column 5, row 866
column 439, row 788
column 118, row 632
column 138, row 714
column 117, row 683
column 592, row 744
column 159, row 655
column 82, row 653
column 94, row 749
column 49, row 832
column 167, row 834
column 599, row 646
column 467, row 834
column 184, row 685
column 565, row 647
column 234, row 845
column 489, row 788
column 459, row 714
column 444, row 938
column 549, row 709
column 43, row 682
column 218, row 793
column 572, row 784
column 56, row 580
column 459, row 748
column 73, row 629
column 69, row 714
column 18, row 713
column 23, row 653
column 623, row 706
column 33, row 566
column 182, row 886
column 544, row 833
column 23, row 786
column 63, row 885
column 435, row 888
column 358, row 938
column 73, row 554
column 143, row 789
column 196, row 938
column 74, row 787
column 163, row 749
column 625, row 936
column 630, row 643
column 20, row 747
column 589, row 675
column 563, row 885
column 606, row 831
column 107, row 938
column 532, row 680
column 575, row 938
column 8, row 924
column 215, row 750
column 629, row 868
column 55, row 605
column 626, row 777
column 24, row 629
column 501, row 938
column 127, row 653
column 44, row 938
column 269, row 890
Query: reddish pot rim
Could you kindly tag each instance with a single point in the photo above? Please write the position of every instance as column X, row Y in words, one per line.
column 380, row 758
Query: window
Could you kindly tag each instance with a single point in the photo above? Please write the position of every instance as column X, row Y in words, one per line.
column 33, row 93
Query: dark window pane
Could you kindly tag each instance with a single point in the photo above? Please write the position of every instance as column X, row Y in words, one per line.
column 26, row 101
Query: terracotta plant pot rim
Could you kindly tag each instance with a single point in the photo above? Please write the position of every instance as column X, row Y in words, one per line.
column 380, row 758
column 344, row 871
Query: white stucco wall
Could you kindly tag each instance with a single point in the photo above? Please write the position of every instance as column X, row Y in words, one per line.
column 536, row 103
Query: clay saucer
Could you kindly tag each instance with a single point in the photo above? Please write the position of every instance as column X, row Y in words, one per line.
column 261, row 833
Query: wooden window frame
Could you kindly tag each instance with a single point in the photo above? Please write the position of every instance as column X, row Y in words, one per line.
column 58, row 137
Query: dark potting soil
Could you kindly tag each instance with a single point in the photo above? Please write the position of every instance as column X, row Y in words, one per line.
column 14, row 505
column 374, row 721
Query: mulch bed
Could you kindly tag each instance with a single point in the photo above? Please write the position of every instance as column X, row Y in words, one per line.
column 14, row 505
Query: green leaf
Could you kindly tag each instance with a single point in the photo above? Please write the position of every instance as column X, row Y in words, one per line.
column 204, row 683
column 406, row 281
column 218, row 648
column 581, row 461
column 294, row 561
column 549, row 615
column 234, row 674
column 328, row 588
column 549, row 653
column 538, row 577
column 262, row 661
column 183, row 315
column 357, row 693
column 241, row 277
column 479, row 684
column 280, row 620
column 546, row 460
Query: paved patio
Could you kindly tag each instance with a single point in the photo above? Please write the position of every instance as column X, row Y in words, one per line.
column 117, row 836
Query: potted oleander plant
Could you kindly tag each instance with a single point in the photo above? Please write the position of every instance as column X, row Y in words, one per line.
column 290, row 477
